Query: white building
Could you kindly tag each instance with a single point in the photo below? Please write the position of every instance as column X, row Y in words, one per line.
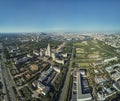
column 48, row 51
column 42, row 52
column 65, row 55
column 40, row 85
column 53, row 56
column 36, row 52
column 57, row 69
column 111, row 59
column 44, row 89
column 60, row 61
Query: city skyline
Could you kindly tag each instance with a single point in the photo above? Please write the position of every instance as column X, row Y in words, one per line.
column 61, row 16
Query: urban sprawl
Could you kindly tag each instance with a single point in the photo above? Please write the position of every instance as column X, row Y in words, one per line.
column 59, row 67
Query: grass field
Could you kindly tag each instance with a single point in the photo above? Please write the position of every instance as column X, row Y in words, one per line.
column 83, row 51
column 79, row 50
column 78, row 44
column 83, row 65
column 79, row 56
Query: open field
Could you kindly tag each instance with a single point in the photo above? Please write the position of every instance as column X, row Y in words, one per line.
column 78, row 44
column 80, row 56
column 79, row 51
column 83, row 64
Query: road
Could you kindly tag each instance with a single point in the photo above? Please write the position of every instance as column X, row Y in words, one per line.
column 4, row 91
column 62, row 45
column 66, row 84
column 7, row 81
column 13, row 84
column 46, row 60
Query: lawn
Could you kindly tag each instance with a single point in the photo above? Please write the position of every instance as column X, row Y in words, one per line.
column 78, row 44
column 83, row 64
column 79, row 50
column 79, row 56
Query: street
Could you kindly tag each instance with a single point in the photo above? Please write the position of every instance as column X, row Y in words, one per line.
column 66, row 84
column 7, row 89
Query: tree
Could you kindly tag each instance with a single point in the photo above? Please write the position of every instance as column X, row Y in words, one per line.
column 6, row 53
column 51, row 94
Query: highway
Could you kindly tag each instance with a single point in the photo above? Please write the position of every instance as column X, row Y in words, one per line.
column 66, row 84
column 10, row 96
column 4, row 91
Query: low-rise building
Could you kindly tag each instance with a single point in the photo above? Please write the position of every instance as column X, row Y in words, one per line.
column 101, row 96
column 36, row 52
column 65, row 55
column 97, row 63
column 115, row 75
column 116, row 86
column 100, row 80
column 22, row 60
column 60, row 61
column 110, row 59
column 46, row 90
column 109, row 69
column 57, row 69
column 40, row 85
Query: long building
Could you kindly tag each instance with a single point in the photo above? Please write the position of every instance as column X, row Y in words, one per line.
column 83, row 92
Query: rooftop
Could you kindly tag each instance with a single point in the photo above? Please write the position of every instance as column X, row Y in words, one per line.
column 83, row 89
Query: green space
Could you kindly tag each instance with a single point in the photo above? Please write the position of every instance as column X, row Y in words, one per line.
column 10, row 66
column 6, row 53
column 26, row 93
column 78, row 44
column 83, row 64
column 67, row 48
column 80, row 56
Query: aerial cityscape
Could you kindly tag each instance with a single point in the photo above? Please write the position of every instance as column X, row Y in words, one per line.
column 59, row 50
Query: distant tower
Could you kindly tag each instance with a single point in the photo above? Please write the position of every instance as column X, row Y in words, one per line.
column 6, row 38
column 37, row 39
column 49, row 50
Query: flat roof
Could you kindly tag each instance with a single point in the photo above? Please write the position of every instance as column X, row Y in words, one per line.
column 74, row 97
column 80, row 95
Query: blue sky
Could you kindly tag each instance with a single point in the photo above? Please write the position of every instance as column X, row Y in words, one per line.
column 59, row 15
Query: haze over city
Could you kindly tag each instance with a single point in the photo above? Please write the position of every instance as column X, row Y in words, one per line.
column 59, row 15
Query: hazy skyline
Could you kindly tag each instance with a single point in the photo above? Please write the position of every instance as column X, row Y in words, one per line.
column 59, row 15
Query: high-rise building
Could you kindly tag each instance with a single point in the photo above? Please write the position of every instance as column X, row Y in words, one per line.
column 49, row 50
